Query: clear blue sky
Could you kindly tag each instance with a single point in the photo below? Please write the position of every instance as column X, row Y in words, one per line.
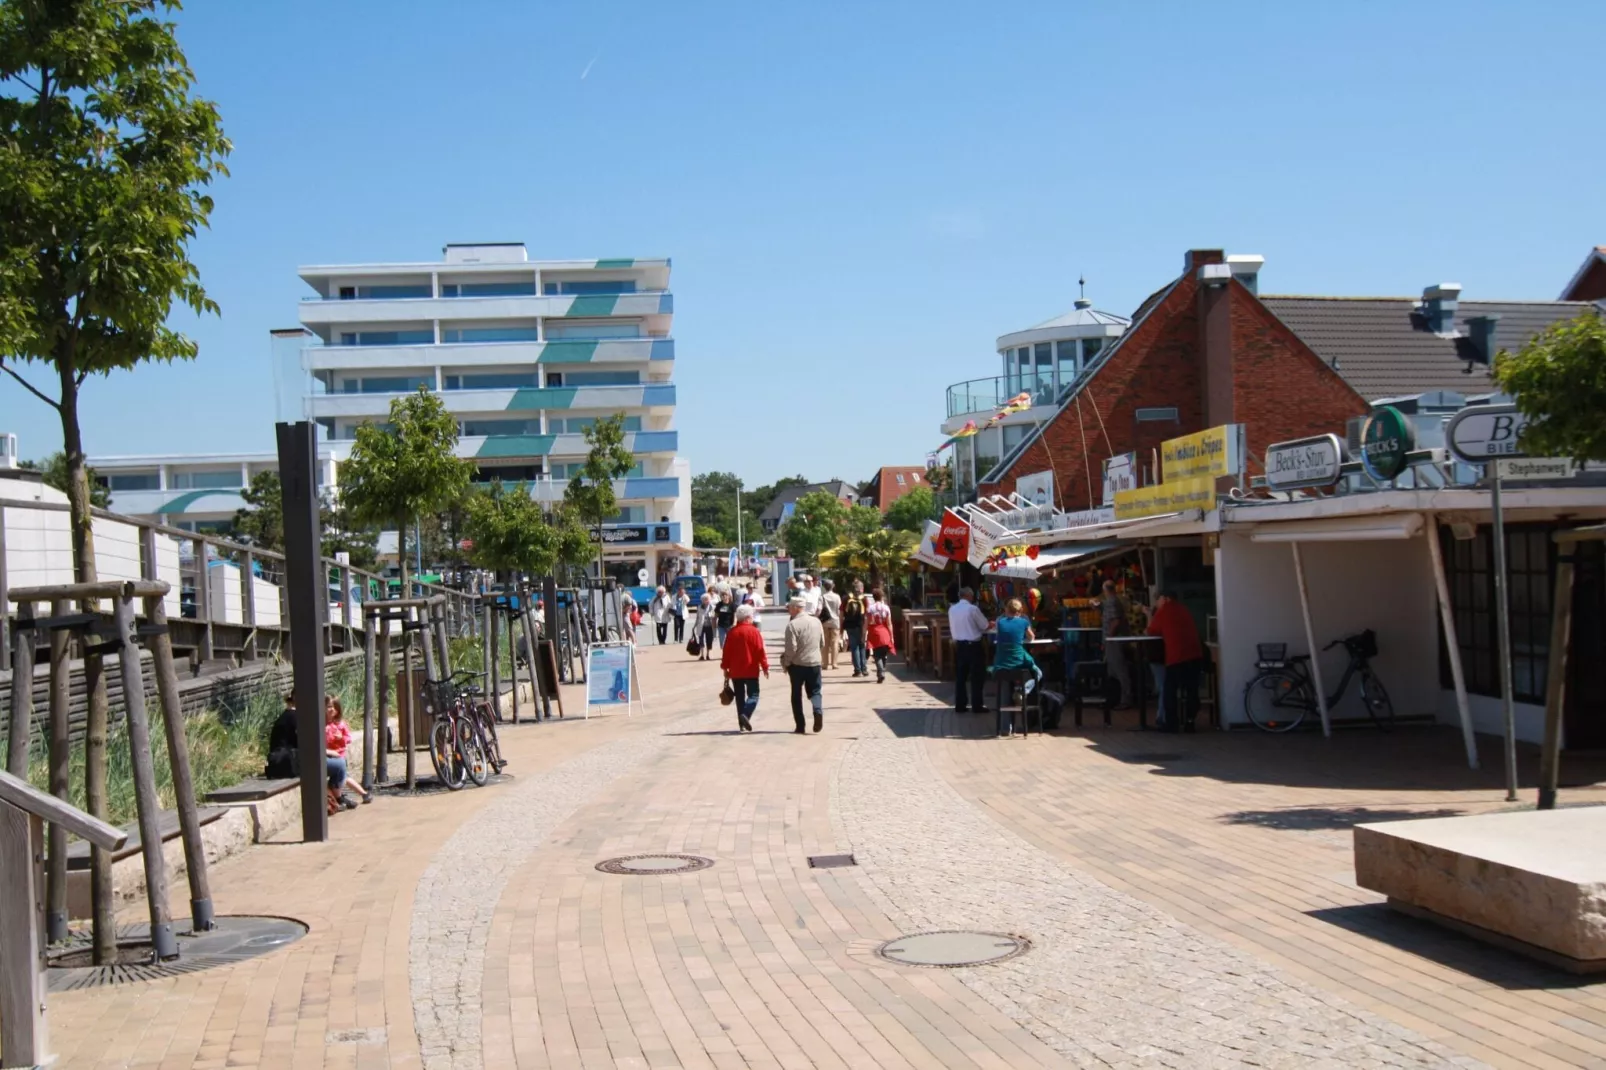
column 859, row 198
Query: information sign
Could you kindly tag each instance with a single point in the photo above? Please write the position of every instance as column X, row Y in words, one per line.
column 1216, row 452
column 610, row 675
column 1535, row 468
column 1120, row 473
column 1304, row 462
column 1480, row 433
column 1172, row 496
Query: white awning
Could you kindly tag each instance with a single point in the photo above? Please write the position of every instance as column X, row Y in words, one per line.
column 1353, row 529
column 1142, row 525
column 1027, row 568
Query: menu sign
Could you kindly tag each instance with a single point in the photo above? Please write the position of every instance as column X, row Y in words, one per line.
column 1304, row 462
column 1216, row 452
column 1172, row 496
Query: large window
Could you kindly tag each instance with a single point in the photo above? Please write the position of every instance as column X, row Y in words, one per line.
column 477, row 428
column 385, row 293
column 592, row 330
column 1469, row 569
column 1090, row 349
column 577, row 425
column 575, row 469
column 492, row 381
column 521, row 288
column 600, row 378
column 624, row 286
column 1067, row 361
column 490, row 334
column 507, row 473
column 387, row 384
column 132, row 481
column 223, row 479
column 388, row 338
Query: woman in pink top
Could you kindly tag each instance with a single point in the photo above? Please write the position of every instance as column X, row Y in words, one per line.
column 336, row 740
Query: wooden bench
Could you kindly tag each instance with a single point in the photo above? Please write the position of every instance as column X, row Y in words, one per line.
column 255, row 789
column 167, row 823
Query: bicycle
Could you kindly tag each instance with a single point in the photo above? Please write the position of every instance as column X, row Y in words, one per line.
column 455, row 743
column 1278, row 699
column 476, row 709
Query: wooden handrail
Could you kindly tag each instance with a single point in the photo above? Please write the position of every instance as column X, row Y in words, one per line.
column 102, row 589
column 29, row 799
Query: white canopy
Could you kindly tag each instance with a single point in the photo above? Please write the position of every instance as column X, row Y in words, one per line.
column 1027, row 568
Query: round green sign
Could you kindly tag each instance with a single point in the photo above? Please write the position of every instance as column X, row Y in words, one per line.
column 1386, row 438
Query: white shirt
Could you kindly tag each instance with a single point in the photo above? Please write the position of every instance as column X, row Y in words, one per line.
column 811, row 601
column 966, row 622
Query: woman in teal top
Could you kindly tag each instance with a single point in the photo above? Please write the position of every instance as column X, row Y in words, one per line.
column 1014, row 630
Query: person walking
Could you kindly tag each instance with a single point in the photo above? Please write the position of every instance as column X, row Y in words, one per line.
column 1184, row 660
column 756, row 600
column 703, row 627
column 677, row 609
column 811, row 596
column 967, row 624
column 725, row 616
column 1014, row 632
column 659, row 607
column 743, row 658
column 853, row 628
column 878, row 632
column 800, row 657
column 830, row 624
column 1112, row 615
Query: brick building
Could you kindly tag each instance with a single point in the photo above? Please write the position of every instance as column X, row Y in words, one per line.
column 1589, row 284
column 1202, row 351
column 891, row 483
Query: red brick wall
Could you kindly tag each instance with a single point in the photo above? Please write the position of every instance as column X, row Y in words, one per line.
column 1280, row 390
column 1592, row 287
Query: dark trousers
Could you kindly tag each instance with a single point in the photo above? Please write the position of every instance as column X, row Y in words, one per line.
column 804, row 678
column 969, row 665
column 1182, row 694
column 680, row 628
column 855, row 636
column 746, row 694
column 881, row 653
column 663, row 632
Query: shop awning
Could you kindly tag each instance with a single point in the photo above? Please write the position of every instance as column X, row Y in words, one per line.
column 1353, row 529
column 1143, row 525
column 1028, row 568
column 832, row 557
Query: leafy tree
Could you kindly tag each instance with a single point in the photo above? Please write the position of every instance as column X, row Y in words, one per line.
column 53, row 472
column 818, row 519
column 714, row 505
column 705, row 537
column 591, row 493
column 574, row 544
column 1559, row 382
column 341, row 534
column 883, row 552
column 861, row 520
column 764, row 495
column 408, row 468
column 912, row 510
column 508, row 531
column 107, row 159
column 261, row 524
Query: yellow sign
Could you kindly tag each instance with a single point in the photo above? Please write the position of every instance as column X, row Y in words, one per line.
column 1209, row 453
column 1172, row 496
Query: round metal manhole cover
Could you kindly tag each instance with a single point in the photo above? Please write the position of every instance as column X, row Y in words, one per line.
column 655, row 864
column 236, row 937
column 950, row 949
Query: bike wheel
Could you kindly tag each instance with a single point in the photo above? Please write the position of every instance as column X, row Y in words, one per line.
column 1376, row 697
column 1276, row 701
column 493, row 746
column 472, row 750
column 443, row 755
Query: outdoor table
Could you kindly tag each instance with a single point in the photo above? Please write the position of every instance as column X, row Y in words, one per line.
column 1140, row 672
column 1075, row 640
column 1040, row 649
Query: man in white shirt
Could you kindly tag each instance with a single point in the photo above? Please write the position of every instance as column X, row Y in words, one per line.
column 811, row 597
column 967, row 624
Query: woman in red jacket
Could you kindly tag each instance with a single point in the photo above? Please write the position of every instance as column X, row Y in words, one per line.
column 878, row 632
column 743, row 658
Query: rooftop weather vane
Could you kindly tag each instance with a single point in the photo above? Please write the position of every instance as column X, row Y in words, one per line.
column 1081, row 287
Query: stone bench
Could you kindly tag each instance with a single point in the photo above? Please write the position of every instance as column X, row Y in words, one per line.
column 274, row 804
column 1533, row 881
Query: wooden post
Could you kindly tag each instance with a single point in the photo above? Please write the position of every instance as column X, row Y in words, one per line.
column 409, row 698
column 248, row 604
column 371, row 669
column 178, row 758
column 426, row 642
column 444, row 638
column 60, row 773
column 538, row 698
column 482, row 622
column 21, row 692
column 1452, row 643
column 382, row 668
column 5, row 598
column 203, row 597
column 493, row 656
column 1310, row 641
column 513, row 651
column 1561, row 624
column 102, row 895
column 307, row 588
column 145, row 799
column 23, row 1039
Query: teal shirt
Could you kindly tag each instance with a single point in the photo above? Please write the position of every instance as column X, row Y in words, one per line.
column 1011, row 652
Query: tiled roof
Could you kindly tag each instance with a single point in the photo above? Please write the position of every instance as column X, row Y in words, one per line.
column 837, row 487
column 1382, row 345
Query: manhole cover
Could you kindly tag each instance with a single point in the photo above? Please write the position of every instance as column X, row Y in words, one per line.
column 655, row 864
column 949, row 949
column 235, row 938
column 428, row 785
column 831, row 861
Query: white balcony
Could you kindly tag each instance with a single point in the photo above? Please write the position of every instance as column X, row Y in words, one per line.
column 658, row 354
column 330, row 312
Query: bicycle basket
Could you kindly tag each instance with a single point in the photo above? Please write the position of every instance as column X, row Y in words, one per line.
column 1363, row 645
column 1271, row 651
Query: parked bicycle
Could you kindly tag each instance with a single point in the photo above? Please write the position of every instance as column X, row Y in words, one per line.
column 462, row 743
column 1278, row 699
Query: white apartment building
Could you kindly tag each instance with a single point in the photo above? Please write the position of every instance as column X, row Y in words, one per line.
column 526, row 354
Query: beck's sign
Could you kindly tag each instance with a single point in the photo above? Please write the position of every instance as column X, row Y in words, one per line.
column 1304, row 462
column 1479, row 434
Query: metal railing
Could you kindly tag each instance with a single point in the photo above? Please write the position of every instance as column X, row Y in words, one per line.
column 987, row 395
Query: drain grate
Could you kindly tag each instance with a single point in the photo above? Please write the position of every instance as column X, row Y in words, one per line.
column 947, row 950
column 237, row 937
column 429, row 785
column 637, row 865
column 831, row 861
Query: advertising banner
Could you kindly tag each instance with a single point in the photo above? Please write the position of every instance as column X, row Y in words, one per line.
column 1120, row 473
column 610, row 675
column 1172, row 496
column 927, row 550
column 1481, row 433
column 1214, row 453
column 1037, row 488
column 1304, row 462
column 982, row 544
column 953, row 540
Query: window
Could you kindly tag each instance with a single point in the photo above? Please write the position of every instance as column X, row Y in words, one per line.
column 387, row 384
column 388, row 338
column 519, row 288
column 394, row 291
column 490, row 334
column 625, row 286
column 575, row 469
column 630, row 514
column 132, row 481
column 1164, row 415
column 593, row 330
column 206, row 527
column 1014, row 435
column 508, row 473
column 601, row 378
column 1066, row 352
column 492, row 381
column 477, row 428
column 915, row 476
column 1090, row 349
column 225, row 479
column 899, row 476
column 576, row 425
column 1469, row 572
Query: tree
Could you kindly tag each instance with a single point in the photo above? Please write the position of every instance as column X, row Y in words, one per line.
column 818, row 518
column 705, row 538
column 861, row 520
column 911, row 511
column 342, row 534
column 53, row 472
column 1559, row 382
column 409, row 467
column 591, row 493
column 882, row 552
column 714, row 507
column 508, row 532
column 261, row 524
column 764, row 495
column 575, row 547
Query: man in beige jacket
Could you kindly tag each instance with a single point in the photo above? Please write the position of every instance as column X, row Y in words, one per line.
column 800, row 657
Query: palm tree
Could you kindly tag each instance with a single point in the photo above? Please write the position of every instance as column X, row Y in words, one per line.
column 883, row 551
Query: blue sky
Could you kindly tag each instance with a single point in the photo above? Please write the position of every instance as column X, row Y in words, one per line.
column 860, row 198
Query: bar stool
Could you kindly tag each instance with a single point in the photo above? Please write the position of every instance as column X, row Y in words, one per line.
column 1012, row 678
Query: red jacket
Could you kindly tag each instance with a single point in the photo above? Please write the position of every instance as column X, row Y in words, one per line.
column 1173, row 623
column 744, row 654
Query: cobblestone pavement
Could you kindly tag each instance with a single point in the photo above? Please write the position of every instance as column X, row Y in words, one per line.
column 1110, row 981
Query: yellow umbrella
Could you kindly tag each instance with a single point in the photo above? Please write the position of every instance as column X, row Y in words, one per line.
column 834, row 556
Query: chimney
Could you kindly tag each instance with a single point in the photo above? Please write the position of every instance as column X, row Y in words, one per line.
column 1480, row 332
column 1438, row 306
column 1194, row 259
column 1246, row 269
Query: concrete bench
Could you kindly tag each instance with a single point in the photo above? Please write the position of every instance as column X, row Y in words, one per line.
column 1533, row 881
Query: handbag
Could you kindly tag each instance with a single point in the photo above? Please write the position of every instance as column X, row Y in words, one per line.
column 727, row 694
column 694, row 647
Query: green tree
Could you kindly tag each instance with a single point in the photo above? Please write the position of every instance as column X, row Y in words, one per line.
column 53, row 473
column 705, row 537
column 508, row 532
column 714, row 505
column 107, row 159
column 912, row 510
column 764, row 495
column 575, row 548
column 591, row 493
column 861, row 520
column 883, row 552
column 1559, row 382
column 817, row 522
column 405, row 469
column 342, row 534
column 261, row 523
